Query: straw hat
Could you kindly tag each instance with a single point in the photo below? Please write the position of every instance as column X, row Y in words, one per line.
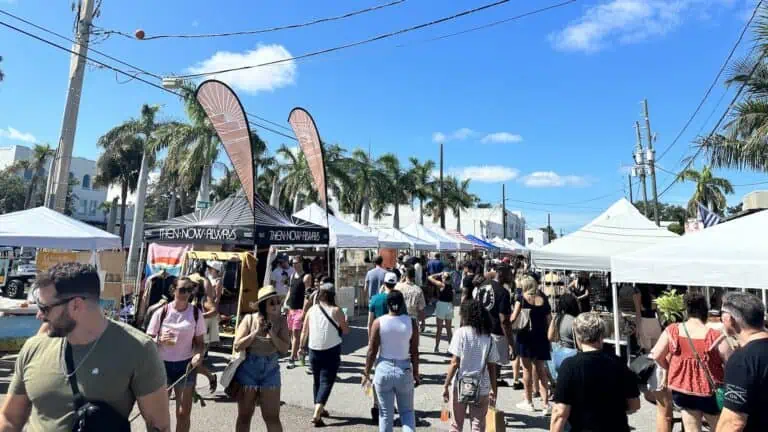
column 265, row 293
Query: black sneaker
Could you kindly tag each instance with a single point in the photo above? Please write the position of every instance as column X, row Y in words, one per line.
column 517, row 385
column 502, row 383
column 375, row 415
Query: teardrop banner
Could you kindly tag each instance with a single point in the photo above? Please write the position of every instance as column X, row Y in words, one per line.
column 227, row 116
column 309, row 140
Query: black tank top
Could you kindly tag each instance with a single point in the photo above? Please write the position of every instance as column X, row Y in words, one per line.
column 297, row 292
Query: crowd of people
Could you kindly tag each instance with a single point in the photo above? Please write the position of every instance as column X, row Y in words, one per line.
column 65, row 377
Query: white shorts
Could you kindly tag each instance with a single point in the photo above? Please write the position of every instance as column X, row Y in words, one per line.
column 212, row 330
column 502, row 346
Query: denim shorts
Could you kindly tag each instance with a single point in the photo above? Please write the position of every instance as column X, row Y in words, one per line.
column 444, row 311
column 705, row 404
column 259, row 372
column 174, row 370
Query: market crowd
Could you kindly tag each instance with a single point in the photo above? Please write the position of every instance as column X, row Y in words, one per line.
column 84, row 372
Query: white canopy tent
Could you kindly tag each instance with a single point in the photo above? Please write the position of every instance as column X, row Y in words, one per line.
column 499, row 243
column 515, row 246
column 341, row 234
column 443, row 242
column 385, row 240
column 619, row 229
column 733, row 254
column 413, row 242
column 42, row 227
column 462, row 244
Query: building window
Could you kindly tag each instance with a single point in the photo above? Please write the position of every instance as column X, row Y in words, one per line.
column 86, row 182
column 27, row 174
column 530, row 240
column 92, row 210
column 84, row 206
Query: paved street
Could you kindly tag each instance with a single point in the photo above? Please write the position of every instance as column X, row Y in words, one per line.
column 349, row 407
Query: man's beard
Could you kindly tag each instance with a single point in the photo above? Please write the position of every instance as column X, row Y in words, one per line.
column 62, row 326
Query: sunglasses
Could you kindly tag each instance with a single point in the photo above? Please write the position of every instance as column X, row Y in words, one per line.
column 45, row 309
column 273, row 302
column 186, row 290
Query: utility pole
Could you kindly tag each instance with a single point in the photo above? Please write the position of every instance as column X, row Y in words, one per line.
column 549, row 228
column 504, row 209
column 631, row 198
column 650, row 157
column 58, row 194
column 442, row 195
column 640, row 166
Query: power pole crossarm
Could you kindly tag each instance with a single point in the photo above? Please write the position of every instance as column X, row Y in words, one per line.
column 650, row 157
column 60, row 183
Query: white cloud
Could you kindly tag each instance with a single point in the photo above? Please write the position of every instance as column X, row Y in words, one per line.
column 457, row 135
column 485, row 173
column 501, row 137
column 266, row 78
column 16, row 135
column 542, row 179
column 628, row 21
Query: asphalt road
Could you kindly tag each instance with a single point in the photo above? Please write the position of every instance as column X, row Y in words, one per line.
column 349, row 406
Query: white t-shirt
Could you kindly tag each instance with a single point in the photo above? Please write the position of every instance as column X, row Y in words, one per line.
column 281, row 279
column 471, row 347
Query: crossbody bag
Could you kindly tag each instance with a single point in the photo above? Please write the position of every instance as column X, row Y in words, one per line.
column 92, row 416
column 469, row 382
column 718, row 391
column 336, row 326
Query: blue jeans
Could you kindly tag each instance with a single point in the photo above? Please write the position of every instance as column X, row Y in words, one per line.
column 394, row 379
column 325, row 367
column 559, row 354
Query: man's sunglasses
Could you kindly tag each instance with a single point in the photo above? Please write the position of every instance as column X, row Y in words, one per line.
column 45, row 309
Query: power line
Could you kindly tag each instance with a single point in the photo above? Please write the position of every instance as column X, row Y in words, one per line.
column 120, row 71
column 353, row 44
column 132, row 66
column 714, row 82
column 719, row 122
column 611, row 194
column 260, row 31
column 492, row 24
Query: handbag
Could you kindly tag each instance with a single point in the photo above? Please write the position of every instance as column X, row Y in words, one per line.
column 228, row 375
column 336, row 326
column 523, row 320
column 717, row 391
column 92, row 416
column 494, row 420
column 469, row 383
column 643, row 367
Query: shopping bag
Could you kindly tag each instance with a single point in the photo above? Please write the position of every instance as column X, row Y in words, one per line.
column 494, row 420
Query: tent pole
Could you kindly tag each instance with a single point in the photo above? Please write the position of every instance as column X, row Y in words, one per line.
column 763, row 293
column 616, row 329
column 706, row 293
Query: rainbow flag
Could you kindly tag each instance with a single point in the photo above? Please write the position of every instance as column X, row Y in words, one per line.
column 168, row 257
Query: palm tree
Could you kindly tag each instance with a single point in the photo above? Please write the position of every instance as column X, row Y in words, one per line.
column 298, row 182
column 105, row 208
column 422, row 182
column 710, row 191
column 40, row 155
column 459, row 198
column 119, row 165
column 226, row 186
column 399, row 187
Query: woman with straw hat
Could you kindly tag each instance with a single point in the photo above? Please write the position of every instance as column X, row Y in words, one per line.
column 264, row 336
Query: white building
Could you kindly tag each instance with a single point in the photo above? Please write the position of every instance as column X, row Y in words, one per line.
column 87, row 199
column 536, row 238
column 480, row 222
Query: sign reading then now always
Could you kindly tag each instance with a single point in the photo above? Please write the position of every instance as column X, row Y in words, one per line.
column 208, row 234
column 297, row 236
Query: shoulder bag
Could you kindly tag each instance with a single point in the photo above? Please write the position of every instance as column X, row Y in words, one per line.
column 92, row 416
column 228, row 375
column 718, row 391
column 523, row 320
column 469, row 382
column 336, row 326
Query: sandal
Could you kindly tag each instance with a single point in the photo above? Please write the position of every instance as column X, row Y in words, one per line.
column 318, row 423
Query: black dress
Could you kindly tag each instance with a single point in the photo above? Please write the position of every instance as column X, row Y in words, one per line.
column 533, row 343
column 579, row 290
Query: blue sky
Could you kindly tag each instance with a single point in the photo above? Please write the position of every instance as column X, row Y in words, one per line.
column 545, row 104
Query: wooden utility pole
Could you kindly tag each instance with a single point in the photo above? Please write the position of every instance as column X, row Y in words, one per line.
column 56, row 197
column 651, row 163
column 631, row 198
column 640, row 165
column 504, row 210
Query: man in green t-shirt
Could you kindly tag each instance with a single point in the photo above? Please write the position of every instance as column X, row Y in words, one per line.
column 114, row 363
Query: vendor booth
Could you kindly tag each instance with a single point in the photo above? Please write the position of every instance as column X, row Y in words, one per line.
column 490, row 247
column 58, row 239
column 348, row 245
column 620, row 229
column 413, row 242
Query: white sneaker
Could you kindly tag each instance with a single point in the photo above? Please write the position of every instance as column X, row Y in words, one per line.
column 525, row 406
column 548, row 410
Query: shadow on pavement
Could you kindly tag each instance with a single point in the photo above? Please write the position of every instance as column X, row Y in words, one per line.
column 356, row 339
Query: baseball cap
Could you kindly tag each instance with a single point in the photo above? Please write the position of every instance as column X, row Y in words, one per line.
column 390, row 278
